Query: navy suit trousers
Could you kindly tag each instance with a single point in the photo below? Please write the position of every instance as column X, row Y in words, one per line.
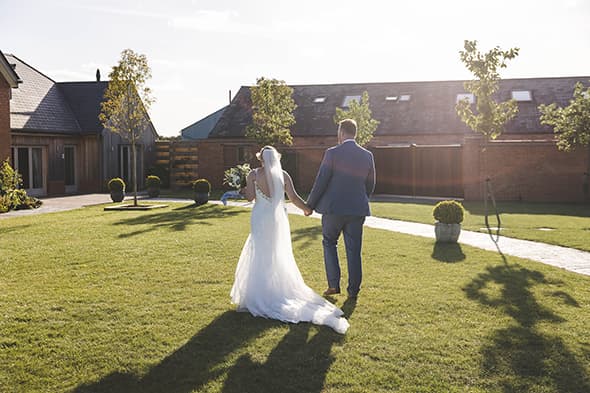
column 352, row 229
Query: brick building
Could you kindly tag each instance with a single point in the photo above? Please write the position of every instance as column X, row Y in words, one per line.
column 8, row 80
column 421, row 146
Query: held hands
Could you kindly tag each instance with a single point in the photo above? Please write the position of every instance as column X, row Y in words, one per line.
column 307, row 211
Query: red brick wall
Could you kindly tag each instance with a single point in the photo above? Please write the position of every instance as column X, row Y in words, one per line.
column 211, row 164
column 524, row 170
column 4, row 119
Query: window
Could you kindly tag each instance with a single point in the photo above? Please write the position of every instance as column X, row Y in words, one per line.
column 319, row 100
column 469, row 96
column 349, row 99
column 405, row 97
column 522, row 95
column 391, row 98
column 70, row 166
column 29, row 163
column 244, row 154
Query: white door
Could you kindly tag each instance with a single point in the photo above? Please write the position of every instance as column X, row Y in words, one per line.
column 29, row 162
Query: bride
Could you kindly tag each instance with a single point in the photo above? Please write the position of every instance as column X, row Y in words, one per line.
column 267, row 280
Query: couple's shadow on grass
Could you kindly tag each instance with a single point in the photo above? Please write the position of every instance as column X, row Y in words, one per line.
column 298, row 363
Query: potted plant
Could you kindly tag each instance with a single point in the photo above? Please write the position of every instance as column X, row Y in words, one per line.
column 117, row 188
column 202, row 188
column 449, row 215
column 153, row 184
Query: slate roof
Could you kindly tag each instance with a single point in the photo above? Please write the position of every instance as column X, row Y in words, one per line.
column 42, row 105
column 84, row 99
column 202, row 128
column 430, row 110
column 38, row 104
column 8, row 72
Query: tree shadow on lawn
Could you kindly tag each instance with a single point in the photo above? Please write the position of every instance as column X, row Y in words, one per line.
column 295, row 361
column 179, row 218
column 521, row 356
column 13, row 228
column 448, row 252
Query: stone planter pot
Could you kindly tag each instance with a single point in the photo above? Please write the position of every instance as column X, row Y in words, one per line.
column 117, row 196
column 447, row 233
column 153, row 192
column 201, row 198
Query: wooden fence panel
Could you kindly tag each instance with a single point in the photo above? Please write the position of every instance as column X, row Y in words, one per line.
column 420, row 170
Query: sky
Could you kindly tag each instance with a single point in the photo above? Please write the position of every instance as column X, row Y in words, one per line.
column 200, row 50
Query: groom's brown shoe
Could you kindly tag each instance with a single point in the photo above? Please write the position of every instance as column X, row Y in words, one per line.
column 331, row 291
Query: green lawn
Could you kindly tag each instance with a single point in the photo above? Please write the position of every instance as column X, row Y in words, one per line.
column 562, row 224
column 95, row 301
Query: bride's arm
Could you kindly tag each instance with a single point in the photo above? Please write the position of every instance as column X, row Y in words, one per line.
column 248, row 191
column 292, row 194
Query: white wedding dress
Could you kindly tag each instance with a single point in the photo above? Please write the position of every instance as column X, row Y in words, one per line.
column 268, row 282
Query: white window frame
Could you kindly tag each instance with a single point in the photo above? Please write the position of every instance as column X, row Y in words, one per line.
column 469, row 96
column 39, row 191
column 521, row 95
column 348, row 99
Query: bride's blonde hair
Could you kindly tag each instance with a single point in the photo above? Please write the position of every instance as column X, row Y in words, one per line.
column 259, row 154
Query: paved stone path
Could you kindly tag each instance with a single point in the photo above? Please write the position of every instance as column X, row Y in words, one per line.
column 563, row 257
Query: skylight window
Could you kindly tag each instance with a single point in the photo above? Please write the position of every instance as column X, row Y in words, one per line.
column 522, row 95
column 319, row 100
column 463, row 96
column 349, row 99
column 405, row 97
column 391, row 98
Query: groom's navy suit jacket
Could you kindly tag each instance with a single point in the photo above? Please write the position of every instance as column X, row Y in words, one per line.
column 345, row 181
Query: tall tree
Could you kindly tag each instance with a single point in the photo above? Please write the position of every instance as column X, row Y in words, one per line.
column 127, row 100
column 571, row 124
column 361, row 113
column 272, row 112
column 491, row 116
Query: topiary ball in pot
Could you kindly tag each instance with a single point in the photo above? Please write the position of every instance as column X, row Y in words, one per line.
column 117, row 189
column 153, row 184
column 202, row 188
column 449, row 216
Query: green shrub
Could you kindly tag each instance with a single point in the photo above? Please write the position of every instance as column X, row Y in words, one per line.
column 153, row 181
column 202, row 186
column 117, row 184
column 19, row 200
column 9, row 178
column 162, row 172
column 11, row 197
column 3, row 204
column 448, row 212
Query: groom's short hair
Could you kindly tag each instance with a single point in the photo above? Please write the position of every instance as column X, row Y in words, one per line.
column 348, row 127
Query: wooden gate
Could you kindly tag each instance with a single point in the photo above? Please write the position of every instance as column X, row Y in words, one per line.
column 426, row 170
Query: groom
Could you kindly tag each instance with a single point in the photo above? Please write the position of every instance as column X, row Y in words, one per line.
column 341, row 191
